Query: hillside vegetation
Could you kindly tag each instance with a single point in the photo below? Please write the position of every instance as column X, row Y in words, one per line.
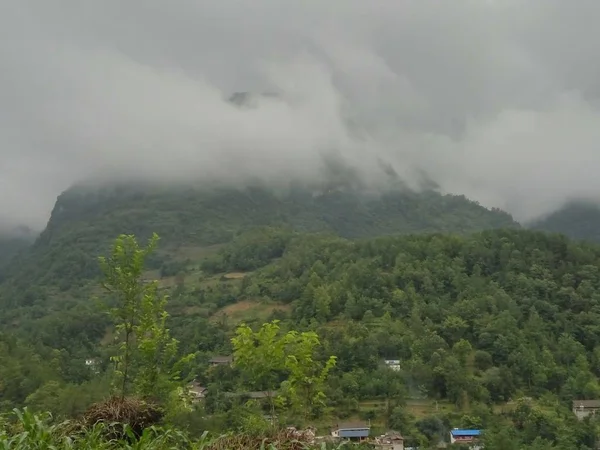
column 477, row 322
column 85, row 220
column 495, row 329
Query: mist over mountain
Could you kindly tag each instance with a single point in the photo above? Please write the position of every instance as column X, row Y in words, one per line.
column 577, row 219
column 12, row 242
column 86, row 218
column 360, row 174
column 482, row 98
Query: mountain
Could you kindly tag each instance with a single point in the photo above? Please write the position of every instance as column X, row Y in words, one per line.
column 85, row 220
column 475, row 320
column 476, row 316
column 57, row 276
column 578, row 220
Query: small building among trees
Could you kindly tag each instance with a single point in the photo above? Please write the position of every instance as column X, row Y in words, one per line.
column 585, row 408
column 197, row 392
column 353, row 431
column 458, row 436
column 393, row 364
column 392, row 440
column 221, row 360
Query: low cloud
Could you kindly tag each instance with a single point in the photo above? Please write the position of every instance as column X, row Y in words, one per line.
column 496, row 100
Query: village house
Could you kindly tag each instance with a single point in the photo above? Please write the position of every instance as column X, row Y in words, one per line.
column 354, row 431
column 221, row 361
column 390, row 441
column 260, row 394
column 93, row 364
column 196, row 391
column 255, row 395
column 585, row 408
column 458, row 436
column 393, row 364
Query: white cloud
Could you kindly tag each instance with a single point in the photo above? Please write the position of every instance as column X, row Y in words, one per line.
column 497, row 100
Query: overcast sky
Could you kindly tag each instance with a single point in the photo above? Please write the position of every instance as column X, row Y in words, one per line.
column 494, row 99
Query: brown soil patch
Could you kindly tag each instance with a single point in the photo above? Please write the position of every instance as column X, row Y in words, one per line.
column 235, row 275
column 238, row 307
column 192, row 310
column 251, row 308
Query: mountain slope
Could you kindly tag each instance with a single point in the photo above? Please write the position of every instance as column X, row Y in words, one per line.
column 12, row 243
column 475, row 320
column 9, row 247
column 578, row 220
column 86, row 220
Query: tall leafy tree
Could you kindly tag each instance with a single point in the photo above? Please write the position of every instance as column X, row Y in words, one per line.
column 260, row 356
column 271, row 360
column 307, row 375
column 146, row 356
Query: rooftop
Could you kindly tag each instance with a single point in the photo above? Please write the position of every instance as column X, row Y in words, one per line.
column 221, row 359
column 458, row 432
column 253, row 395
column 194, row 386
column 261, row 394
column 352, row 426
column 393, row 436
column 586, row 403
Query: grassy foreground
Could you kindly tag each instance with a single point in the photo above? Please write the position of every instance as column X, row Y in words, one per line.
column 24, row 430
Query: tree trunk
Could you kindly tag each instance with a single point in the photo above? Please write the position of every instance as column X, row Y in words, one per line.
column 125, row 364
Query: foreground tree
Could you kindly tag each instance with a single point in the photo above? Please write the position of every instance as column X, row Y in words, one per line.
column 288, row 363
column 146, row 359
column 307, row 375
column 260, row 356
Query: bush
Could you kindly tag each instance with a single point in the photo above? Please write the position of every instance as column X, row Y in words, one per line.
column 123, row 414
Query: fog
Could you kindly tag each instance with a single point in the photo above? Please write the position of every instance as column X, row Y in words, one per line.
column 497, row 100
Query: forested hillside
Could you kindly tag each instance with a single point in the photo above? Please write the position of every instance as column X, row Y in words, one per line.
column 477, row 321
column 495, row 329
column 86, row 219
column 578, row 220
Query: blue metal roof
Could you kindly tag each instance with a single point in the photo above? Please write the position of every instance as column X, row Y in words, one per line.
column 465, row 432
column 356, row 432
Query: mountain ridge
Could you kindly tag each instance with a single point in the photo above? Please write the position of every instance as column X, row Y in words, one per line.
column 84, row 220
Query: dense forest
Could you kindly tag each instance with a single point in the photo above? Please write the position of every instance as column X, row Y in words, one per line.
column 494, row 329
column 91, row 217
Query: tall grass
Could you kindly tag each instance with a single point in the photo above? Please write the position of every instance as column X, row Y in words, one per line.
column 23, row 430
